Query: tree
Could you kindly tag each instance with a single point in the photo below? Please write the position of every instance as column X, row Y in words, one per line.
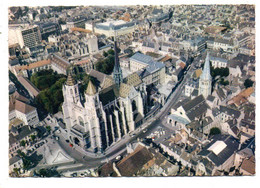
column 105, row 54
column 248, row 83
column 22, row 143
column 214, row 131
column 48, row 128
column 33, row 137
column 17, row 171
column 223, row 82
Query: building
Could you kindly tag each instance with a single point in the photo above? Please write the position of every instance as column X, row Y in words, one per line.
column 17, row 135
column 77, row 21
column 98, row 118
column 150, row 71
column 220, row 152
column 28, row 70
column 28, row 85
column 187, row 111
column 59, row 64
column 109, row 28
column 49, row 28
column 205, row 79
column 15, row 162
column 92, row 44
column 218, row 62
column 19, row 108
column 28, row 36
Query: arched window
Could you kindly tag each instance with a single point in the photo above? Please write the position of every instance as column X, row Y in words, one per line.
column 133, row 105
column 75, row 90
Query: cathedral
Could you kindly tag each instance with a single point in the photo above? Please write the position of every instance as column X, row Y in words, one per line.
column 102, row 115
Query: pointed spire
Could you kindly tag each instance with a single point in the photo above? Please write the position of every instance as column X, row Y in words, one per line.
column 70, row 80
column 91, row 89
column 117, row 72
column 206, row 69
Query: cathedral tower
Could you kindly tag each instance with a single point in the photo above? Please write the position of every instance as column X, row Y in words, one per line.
column 117, row 72
column 205, row 79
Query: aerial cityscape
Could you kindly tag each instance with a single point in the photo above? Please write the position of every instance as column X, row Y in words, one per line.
column 123, row 91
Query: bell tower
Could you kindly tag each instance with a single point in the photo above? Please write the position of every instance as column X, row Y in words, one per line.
column 205, row 79
column 71, row 90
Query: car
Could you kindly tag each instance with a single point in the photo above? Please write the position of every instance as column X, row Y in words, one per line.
column 57, row 138
column 67, row 141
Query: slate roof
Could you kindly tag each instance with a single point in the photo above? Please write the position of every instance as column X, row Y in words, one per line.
column 195, row 107
column 108, row 94
column 208, row 165
column 232, row 146
column 240, row 60
column 23, row 132
column 14, row 159
column 180, row 103
column 141, row 58
column 210, row 98
column 229, row 111
column 221, row 94
column 250, row 143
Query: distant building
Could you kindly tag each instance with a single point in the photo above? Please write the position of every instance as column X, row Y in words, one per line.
column 49, row 28
column 77, row 21
column 28, row 36
column 109, row 28
column 150, row 71
column 92, row 44
column 59, row 64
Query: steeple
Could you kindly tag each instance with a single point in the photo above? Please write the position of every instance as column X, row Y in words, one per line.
column 205, row 79
column 70, row 80
column 117, row 72
column 206, row 70
column 91, row 89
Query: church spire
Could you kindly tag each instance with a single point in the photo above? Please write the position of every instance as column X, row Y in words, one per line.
column 117, row 72
column 206, row 70
column 70, row 80
column 91, row 90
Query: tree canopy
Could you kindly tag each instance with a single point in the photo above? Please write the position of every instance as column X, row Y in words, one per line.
column 214, row 131
column 107, row 65
column 45, row 79
column 51, row 98
column 248, row 83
